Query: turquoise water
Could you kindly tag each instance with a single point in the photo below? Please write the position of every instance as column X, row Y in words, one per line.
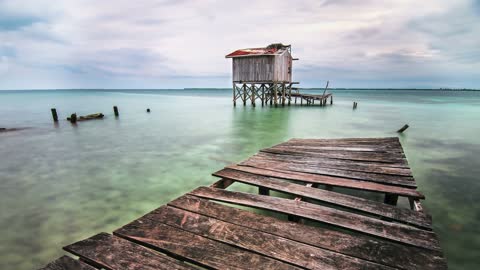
column 61, row 183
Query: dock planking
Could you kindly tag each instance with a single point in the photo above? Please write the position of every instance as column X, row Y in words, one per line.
column 407, row 216
column 199, row 230
column 67, row 263
column 355, row 245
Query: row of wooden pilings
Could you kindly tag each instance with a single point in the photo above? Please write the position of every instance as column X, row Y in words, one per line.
column 73, row 117
column 274, row 93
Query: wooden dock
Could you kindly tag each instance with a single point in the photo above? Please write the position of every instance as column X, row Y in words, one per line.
column 310, row 99
column 315, row 226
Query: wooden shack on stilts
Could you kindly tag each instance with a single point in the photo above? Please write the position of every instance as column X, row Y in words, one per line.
column 264, row 74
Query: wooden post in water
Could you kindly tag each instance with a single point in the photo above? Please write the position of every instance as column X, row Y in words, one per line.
column 391, row 199
column 403, row 128
column 244, row 94
column 73, row 118
column 275, row 94
column 263, row 94
column 115, row 111
column 252, row 94
column 331, row 100
column 54, row 115
column 284, row 90
column 234, row 95
column 289, row 94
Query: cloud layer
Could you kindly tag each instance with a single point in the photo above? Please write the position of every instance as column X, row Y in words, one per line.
column 176, row 44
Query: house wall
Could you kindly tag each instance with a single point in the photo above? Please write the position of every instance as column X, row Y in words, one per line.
column 253, row 69
column 282, row 72
column 262, row 68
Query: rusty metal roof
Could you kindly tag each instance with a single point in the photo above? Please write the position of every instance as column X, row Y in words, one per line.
column 272, row 49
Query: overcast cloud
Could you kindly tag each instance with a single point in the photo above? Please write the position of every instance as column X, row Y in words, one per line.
column 176, row 44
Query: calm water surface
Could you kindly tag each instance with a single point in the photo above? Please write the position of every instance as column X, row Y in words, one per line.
column 61, row 183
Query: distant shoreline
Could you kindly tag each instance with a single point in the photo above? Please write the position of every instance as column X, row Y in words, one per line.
column 229, row 89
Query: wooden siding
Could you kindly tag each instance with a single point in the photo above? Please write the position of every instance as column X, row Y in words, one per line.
column 262, row 68
column 253, row 69
column 281, row 69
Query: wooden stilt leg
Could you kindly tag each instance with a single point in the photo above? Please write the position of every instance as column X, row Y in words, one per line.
column 244, row 94
column 234, row 95
column 275, row 96
column 252, row 94
column 391, row 199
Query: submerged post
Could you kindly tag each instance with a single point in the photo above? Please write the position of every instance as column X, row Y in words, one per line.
column 403, row 128
column 115, row 111
column 331, row 100
column 54, row 115
column 73, row 118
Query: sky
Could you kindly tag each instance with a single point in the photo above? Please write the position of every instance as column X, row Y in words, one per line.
column 153, row 44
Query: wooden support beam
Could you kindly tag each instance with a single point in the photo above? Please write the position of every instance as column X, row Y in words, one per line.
column 115, row 111
column 222, row 183
column 275, row 96
column 263, row 94
column 234, row 95
column 263, row 191
column 391, row 199
column 244, row 94
column 252, row 95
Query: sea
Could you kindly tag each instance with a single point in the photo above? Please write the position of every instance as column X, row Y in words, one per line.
column 60, row 183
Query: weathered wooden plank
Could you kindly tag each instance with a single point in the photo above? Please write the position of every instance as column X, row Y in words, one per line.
column 382, row 210
column 332, row 181
column 267, row 244
column 114, row 253
column 357, row 245
column 67, row 263
column 333, row 164
column 338, row 150
column 367, row 156
column 380, row 145
column 353, row 140
column 350, row 221
column 403, row 181
column 334, row 161
column 196, row 249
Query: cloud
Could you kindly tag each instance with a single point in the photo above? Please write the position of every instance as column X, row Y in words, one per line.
column 156, row 44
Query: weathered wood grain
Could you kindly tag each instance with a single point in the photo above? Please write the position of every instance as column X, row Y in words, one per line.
column 332, row 181
column 376, row 167
column 350, row 221
column 67, row 263
column 356, row 245
column 333, row 164
column 334, row 161
column 114, row 253
column 365, row 156
column 267, row 244
column 194, row 248
column 354, row 175
column 382, row 210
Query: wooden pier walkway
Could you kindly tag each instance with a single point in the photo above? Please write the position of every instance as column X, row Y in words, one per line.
column 310, row 99
column 314, row 225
